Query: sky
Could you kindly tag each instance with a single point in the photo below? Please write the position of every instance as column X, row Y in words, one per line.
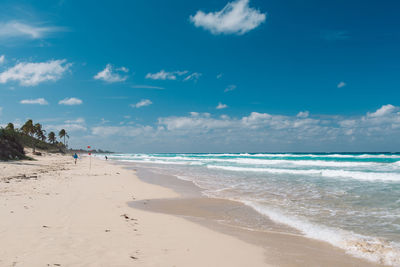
column 205, row 76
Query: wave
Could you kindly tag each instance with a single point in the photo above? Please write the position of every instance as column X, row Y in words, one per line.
column 279, row 155
column 370, row 248
column 298, row 162
column 364, row 176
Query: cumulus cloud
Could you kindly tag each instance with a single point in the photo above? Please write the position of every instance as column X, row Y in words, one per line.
column 230, row 88
column 15, row 29
column 72, row 101
column 202, row 132
column 303, row 114
column 112, row 75
column 221, row 106
column 38, row 101
column 341, row 84
column 2, row 59
column 235, row 18
column 142, row 103
column 165, row 75
column 31, row 74
column 383, row 111
column 1, row 110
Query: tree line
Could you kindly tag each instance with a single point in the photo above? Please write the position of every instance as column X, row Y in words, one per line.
column 37, row 134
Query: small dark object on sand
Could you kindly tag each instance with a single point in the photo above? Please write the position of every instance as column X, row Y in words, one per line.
column 125, row 216
column 133, row 257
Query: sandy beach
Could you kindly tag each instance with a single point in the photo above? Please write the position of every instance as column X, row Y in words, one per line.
column 55, row 213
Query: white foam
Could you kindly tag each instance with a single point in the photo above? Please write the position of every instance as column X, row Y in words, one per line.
column 300, row 162
column 370, row 248
column 364, row 176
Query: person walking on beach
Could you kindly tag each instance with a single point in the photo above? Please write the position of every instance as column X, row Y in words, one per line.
column 106, row 157
column 75, row 156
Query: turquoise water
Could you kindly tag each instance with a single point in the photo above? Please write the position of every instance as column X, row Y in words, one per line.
column 349, row 200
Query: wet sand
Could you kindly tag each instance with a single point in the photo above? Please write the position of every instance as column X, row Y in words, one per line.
column 283, row 245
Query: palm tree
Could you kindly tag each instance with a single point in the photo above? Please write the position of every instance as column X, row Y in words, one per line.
column 52, row 137
column 10, row 127
column 28, row 128
column 63, row 134
column 39, row 132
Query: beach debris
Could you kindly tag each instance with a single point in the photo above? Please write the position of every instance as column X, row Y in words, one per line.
column 107, row 230
column 45, row 226
column 134, row 258
column 125, row 216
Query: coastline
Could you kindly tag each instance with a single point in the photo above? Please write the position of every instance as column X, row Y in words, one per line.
column 283, row 245
column 57, row 214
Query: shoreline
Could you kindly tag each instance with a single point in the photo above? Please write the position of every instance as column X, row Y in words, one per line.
column 55, row 213
column 222, row 214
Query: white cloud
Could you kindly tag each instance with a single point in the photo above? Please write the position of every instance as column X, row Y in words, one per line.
column 341, row 84
column 14, row 29
column 194, row 122
column 38, row 101
column 70, row 101
column 235, row 18
column 73, row 125
column 128, row 131
column 121, row 130
column 110, row 75
column 303, row 114
column 219, row 76
column 2, row 59
column 164, row 75
column 1, row 111
column 202, row 131
column 31, row 74
column 383, row 111
column 77, row 120
column 142, row 103
column 230, row 88
column 194, row 76
column 148, row 87
column 221, row 106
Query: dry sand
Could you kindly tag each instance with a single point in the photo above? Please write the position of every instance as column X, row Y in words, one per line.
column 55, row 213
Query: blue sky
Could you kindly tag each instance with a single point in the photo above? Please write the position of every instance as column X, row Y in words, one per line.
column 205, row 76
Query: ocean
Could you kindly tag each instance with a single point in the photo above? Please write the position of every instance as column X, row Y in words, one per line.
column 350, row 200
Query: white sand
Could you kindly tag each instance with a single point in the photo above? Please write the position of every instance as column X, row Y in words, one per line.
column 68, row 216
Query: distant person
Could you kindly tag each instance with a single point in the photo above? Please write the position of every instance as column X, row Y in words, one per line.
column 106, row 157
column 75, row 156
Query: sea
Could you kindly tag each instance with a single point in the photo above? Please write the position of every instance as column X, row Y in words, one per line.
column 350, row 200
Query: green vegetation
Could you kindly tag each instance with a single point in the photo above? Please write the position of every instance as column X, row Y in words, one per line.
column 13, row 140
column 10, row 146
